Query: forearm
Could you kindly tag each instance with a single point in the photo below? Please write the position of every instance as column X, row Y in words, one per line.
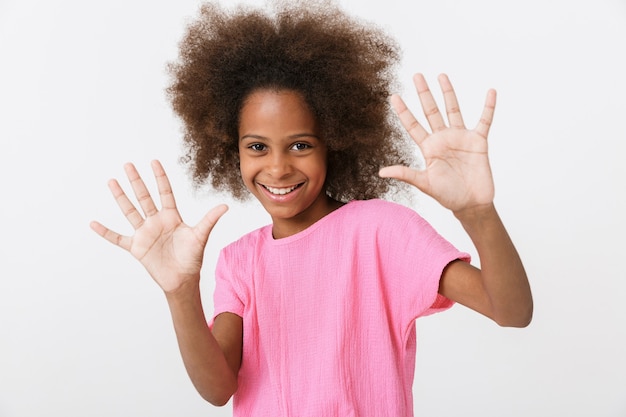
column 202, row 355
column 502, row 273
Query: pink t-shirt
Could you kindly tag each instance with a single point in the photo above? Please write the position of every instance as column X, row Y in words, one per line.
column 329, row 313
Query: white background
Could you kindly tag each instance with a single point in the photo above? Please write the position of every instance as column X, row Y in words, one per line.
column 85, row 332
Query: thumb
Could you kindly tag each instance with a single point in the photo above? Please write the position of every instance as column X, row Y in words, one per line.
column 405, row 174
column 205, row 226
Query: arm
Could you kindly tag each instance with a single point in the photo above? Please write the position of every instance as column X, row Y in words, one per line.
column 500, row 289
column 211, row 358
column 457, row 174
column 172, row 253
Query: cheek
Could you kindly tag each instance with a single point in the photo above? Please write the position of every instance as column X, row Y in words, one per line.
column 247, row 173
column 323, row 165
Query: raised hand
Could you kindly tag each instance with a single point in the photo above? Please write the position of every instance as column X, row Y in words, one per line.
column 170, row 250
column 457, row 172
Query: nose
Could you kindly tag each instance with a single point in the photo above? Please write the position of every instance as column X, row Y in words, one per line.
column 279, row 165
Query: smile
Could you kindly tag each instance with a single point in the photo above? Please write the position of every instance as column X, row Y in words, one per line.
column 281, row 191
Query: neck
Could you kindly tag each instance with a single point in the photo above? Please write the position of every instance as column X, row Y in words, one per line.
column 283, row 228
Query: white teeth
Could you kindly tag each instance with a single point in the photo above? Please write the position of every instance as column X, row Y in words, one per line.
column 280, row 191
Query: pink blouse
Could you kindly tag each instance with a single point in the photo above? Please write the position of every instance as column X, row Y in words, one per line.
column 329, row 313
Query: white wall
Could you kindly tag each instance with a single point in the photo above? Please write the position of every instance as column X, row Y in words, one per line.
column 84, row 331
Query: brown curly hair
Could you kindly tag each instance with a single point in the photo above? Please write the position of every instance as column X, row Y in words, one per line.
column 343, row 67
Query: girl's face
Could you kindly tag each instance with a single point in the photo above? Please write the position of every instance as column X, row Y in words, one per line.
column 283, row 160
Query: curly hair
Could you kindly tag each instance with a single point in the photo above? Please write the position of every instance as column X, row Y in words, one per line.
column 343, row 67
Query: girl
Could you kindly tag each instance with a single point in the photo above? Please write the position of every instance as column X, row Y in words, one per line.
column 315, row 313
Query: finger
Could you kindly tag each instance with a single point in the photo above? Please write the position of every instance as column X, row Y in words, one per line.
column 452, row 105
column 164, row 186
column 486, row 117
column 403, row 173
column 140, row 190
column 128, row 208
column 416, row 131
column 431, row 110
column 113, row 237
column 205, row 226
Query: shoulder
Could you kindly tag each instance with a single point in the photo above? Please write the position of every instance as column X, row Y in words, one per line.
column 247, row 243
column 377, row 221
column 236, row 261
column 391, row 223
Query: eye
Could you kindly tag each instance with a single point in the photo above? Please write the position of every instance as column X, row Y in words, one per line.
column 300, row 146
column 259, row 147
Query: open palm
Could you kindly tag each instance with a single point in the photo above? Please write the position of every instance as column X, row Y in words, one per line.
column 457, row 172
column 169, row 249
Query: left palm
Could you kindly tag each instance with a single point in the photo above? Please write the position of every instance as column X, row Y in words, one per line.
column 456, row 172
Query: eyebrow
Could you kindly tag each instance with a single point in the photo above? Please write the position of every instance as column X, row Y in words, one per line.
column 296, row 136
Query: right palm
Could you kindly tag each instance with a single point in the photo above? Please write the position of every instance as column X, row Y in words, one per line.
column 170, row 250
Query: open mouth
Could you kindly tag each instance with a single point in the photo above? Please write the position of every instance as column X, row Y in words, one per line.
column 281, row 191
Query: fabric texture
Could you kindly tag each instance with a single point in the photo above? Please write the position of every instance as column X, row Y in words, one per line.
column 329, row 313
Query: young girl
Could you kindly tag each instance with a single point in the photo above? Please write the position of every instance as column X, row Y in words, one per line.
column 315, row 313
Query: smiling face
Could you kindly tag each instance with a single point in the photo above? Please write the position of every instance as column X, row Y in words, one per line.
column 283, row 160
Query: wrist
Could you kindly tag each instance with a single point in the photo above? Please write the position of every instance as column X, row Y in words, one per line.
column 188, row 288
column 476, row 214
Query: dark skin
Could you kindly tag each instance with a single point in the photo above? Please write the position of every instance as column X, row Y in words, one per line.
column 282, row 160
column 457, row 175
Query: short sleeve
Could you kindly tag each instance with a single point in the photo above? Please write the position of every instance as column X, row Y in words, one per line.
column 417, row 256
column 441, row 304
column 227, row 296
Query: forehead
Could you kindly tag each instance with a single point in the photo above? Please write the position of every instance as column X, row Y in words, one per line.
column 275, row 110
